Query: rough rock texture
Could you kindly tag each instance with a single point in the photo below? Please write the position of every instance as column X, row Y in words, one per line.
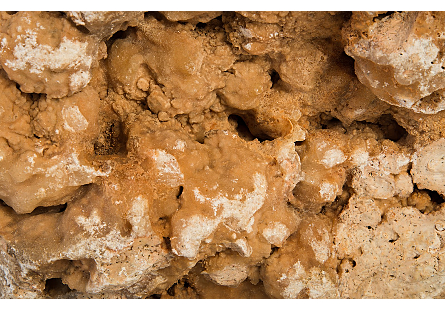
column 399, row 55
column 222, row 155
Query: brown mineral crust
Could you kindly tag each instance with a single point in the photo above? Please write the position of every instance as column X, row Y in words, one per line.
column 221, row 155
column 38, row 143
column 39, row 61
column 305, row 266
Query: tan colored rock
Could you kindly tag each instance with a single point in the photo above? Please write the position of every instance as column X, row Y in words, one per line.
column 104, row 24
column 428, row 167
column 300, row 269
column 398, row 56
column 403, row 252
column 221, row 155
column 42, row 62
column 43, row 164
column 191, row 17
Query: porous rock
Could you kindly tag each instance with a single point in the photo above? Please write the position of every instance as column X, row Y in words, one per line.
column 221, row 155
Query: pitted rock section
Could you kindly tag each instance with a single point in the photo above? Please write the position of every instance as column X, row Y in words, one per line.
column 222, row 155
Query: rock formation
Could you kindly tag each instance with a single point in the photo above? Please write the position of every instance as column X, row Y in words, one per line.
column 222, row 155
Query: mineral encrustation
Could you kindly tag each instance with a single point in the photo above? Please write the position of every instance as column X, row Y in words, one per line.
column 222, row 155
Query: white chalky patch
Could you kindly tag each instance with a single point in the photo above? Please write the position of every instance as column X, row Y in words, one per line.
column 79, row 79
column 359, row 111
column 93, row 224
column 421, row 51
column 194, row 230
column 320, row 247
column 242, row 207
column 104, row 247
column 68, row 166
column 230, row 275
column 137, row 216
column 333, row 157
column 90, row 16
column 31, row 159
column 167, row 166
column 41, row 192
column 242, row 247
column 74, row 120
column 360, row 157
column 38, row 57
column 77, row 18
column 179, row 145
column 328, row 191
column 320, row 286
column 249, row 227
column 275, row 233
column 3, row 44
column 245, row 32
column 295, row 276
column 289, row 162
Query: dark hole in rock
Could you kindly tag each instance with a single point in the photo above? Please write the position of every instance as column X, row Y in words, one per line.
column 158, row 16
column 435, row 197
column 54, row 287
column 383, row 15
column 121, row 34
column 274, row 77
column 155, row 296
column 181, row 189
column 390, row 128
column 171, row 290
column 273, row 249
column 83, row 29
column 112, row 140
column 241, row 127
column 167, row 243
column 50, row 209
column 328, row 122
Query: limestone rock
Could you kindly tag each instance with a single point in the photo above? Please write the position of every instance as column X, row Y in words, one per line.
column 221, row 155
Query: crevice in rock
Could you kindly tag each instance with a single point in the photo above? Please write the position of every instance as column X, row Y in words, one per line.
column 181, row 189
column 112, row 140
column 54, row 287
column 155, row 296
column 328, row 121
column 171, row 290
column 435, row 196
column 382, row 15
column 49, row 209
column 119, row 35
column 158, row 16
column 390, row 128
column 273, row 249
column 394, row 239
column 274, row 77
column 167, row 243
column 241, row 127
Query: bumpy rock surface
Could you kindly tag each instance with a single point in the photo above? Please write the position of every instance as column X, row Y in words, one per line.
column 222, row 155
